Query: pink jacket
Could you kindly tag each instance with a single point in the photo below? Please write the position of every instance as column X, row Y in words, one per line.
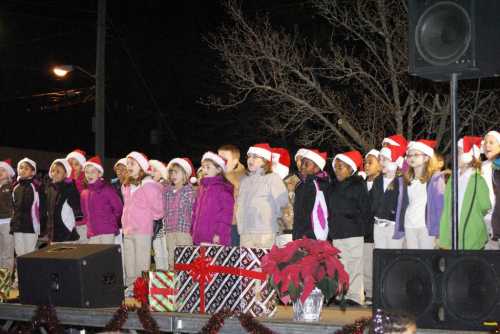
column 141, row 207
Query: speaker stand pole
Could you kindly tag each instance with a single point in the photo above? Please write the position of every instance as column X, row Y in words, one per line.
column 454, row 146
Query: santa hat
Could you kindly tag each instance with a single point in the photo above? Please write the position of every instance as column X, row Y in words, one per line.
column 353, row 158
column 425, row 146
column 262, row 150
column 395, row 140
column 122, row 161
column 28, row 161
column 217, row 159
column 141, row 159
column 281, row 161
column 395, row 154
column 372, row 152
column 96, row 163
column 494, row 134
column 186, row 165
column 471, row 147
column 300, row 153
column 7, row 165
column 319, row 158
column 159, row 166
column 78, row 155
column 64, row 162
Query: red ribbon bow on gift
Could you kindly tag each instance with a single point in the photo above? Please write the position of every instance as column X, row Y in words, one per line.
column 202, row 271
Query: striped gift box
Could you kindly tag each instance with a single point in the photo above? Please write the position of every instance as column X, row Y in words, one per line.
column 161, row 286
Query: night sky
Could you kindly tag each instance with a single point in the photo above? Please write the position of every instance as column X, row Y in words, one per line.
column 157, row 69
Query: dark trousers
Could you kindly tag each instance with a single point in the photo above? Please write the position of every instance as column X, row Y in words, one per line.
column 235, row 236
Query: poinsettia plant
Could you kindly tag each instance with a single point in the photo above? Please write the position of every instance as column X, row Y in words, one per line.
column 296, row 269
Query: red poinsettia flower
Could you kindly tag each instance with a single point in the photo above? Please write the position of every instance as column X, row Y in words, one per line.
column 141, row 290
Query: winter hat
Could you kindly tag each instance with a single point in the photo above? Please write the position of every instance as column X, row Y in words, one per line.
column 7, row 165
column 28, row 161
column 425, row 146
column 300, row 153
column 78, row 155
column 395, row 154
column 471, row 147
column 262, row 150
column 96, row 163
column 217, row 159
column 160, row 166
column 353, row 158
column 186, row 165
column 362, row 174
column 281, row 161
column 122, row 161
column 65, row 163
column 141, row 159
column 495, row 134
column 395, row 140
column 319, row 158
column 372, row 152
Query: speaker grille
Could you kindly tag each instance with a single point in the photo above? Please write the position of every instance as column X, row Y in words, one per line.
column 407, row 285
column 443, row 33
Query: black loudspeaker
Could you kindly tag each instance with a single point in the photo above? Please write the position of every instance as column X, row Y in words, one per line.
column 454, row 36
column 72, row 275
column 457, row 290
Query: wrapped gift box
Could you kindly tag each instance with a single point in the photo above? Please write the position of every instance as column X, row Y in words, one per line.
column 210, row 279
column 161, row 291
column 6, row 282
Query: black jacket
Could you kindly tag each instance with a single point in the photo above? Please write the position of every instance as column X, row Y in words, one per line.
column 6, row 201
column 384, row 204
column 349, row 208
column 24, row 197
column 61, row 197
column 305, row 196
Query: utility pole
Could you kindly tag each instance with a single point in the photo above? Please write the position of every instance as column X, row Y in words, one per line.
column 100, row 94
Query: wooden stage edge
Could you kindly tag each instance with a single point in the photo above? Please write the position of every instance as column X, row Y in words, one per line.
column 332, row 319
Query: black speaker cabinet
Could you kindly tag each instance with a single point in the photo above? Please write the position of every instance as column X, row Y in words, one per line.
column 72, row 275
column 443, row 289
column 454, row 36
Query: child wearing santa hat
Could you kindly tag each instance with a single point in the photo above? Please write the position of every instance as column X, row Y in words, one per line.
column 371, row 167
column 349, row 219
column 262, row 197
column 6, row 211
column 178, row 199
column 213, row 208
column 491, row 150
column 120, row 169
column 28, row 219
column 77, row 160
column 63, row 203
column 101, row 205
column 142, row 204
column 421, row 198
column 310, row 206
column 281, row 166
column 473, row 200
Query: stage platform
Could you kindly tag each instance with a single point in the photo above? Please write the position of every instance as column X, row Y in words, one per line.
column 332, row 319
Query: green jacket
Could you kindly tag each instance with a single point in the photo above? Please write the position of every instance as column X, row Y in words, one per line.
column 475, row 235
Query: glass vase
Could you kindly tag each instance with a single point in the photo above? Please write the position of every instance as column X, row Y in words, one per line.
column 310, row 310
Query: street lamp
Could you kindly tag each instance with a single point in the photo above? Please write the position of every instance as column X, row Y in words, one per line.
column 62, row 70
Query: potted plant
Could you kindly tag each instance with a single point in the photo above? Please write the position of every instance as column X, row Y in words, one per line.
column 305, row 272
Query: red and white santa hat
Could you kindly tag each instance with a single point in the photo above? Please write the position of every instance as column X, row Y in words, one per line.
column 281, row 162
column 262, row 150
column 141, row 159
column 186, row 165
column 373, row 152
column 395, row 154
column 159, row 166
column 425, row 146
column 217, row 159
column 64, row 162
column 122, row 161
column 395, row 140
column 319, row 158
column 28, row 161
column 78, row 155
column 471, row 147
column 7, row 165
column 300, row 153
column 96, row 163
column 353, row 158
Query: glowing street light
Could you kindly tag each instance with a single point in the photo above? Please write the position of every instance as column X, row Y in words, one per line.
column 62, row 70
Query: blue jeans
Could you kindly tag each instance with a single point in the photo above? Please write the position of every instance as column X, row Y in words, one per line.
column 235, row 236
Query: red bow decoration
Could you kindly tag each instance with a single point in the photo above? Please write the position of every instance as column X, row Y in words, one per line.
column 141, row 290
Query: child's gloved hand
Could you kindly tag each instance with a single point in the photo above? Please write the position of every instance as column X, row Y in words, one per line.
column 216, row 239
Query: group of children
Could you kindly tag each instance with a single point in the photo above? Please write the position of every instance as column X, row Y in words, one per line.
column 398, row 197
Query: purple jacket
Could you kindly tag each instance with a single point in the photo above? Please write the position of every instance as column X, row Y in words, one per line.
column 102, row 208
column 433, row 210
column 213, row 211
